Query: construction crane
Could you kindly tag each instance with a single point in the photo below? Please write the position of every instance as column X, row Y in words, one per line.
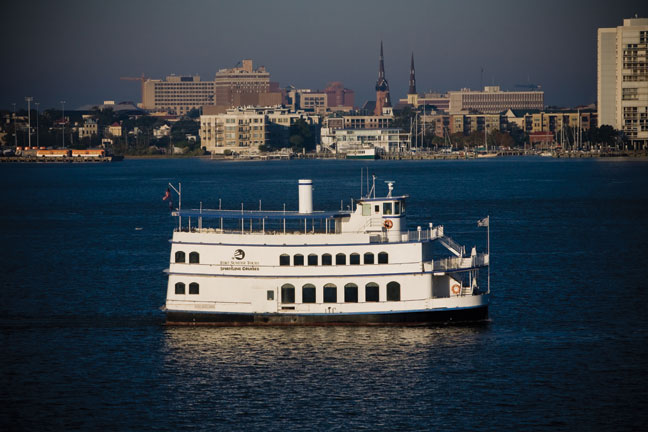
column 140, row 79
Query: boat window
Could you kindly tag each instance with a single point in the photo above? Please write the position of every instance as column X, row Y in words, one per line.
column 393, row 291
column 270, row 295
column 368, row 258
column 194, row 258
column 298, row 260
column 371, row 292
column 402, row 207
column 383, row 258
column 340, row 259
column 308, row 293
column 179, row 257
column 194, row 288
column 354, row 259
column 387, row 208
column 397, row 207
column 351, row 293
column 330, row 293
column 376, row 209
column 312, row 260
column 179, row 288
column 287, row 293
column 327, row 259
column 366, row 209
column 284, row 260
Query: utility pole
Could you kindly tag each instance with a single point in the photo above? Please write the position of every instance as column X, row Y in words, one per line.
column 37, row 115
column 29, row 99
column 63, row 125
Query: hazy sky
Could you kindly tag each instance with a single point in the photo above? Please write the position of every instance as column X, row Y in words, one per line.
column 77, row 50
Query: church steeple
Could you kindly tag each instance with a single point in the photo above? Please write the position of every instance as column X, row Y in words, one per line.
column 382, row 87
column 412, row 80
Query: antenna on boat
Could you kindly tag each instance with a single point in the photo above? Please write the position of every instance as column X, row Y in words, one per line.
column 361, row 174
column 373, row 186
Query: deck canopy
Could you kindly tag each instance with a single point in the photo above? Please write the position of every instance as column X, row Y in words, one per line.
column 260, row 214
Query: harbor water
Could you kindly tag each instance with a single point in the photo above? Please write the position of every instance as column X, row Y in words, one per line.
column 84, row 345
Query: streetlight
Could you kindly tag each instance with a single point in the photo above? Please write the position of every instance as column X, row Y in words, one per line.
column 37, row 115
column 29, row 99
column 63, row 130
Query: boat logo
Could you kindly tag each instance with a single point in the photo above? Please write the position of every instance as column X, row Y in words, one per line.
column 239, row 254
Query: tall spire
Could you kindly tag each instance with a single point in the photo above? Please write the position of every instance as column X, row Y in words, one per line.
column 412, row 80
column 382, row 86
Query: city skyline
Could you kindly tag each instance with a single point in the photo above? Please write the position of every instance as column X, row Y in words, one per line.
column 305, row 45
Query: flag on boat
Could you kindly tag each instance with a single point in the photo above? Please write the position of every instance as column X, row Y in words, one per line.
column 167, row 195
column 483, row 222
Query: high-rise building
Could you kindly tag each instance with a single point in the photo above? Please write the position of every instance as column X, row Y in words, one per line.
column 339, row 96
column 622, row 84
column 383, row 101
column 244, row 86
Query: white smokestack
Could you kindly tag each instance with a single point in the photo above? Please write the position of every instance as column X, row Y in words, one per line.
column 305, row 196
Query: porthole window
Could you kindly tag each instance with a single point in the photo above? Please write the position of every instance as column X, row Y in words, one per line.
column 368, row 258
column 194, row 288
column 354, row 259
column 287, row 293
column 284, row 260
column 330, row 293
column 327, row 260
column 340, row 259
column 383, row 258
column 308, row 293
column 179, row 257
column 298, row 260
column 372, row 292
column 179, row 288
column 194, row 258
column 351, row 293
column 312, row 260
column 393, row 291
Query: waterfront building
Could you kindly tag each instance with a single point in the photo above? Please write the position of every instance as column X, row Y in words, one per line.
column 622, row 85
column 359, row 122
column 493, row 100
column 245, row 86
column 176, row 94
column 383, row 100
column 90, row 127
column 345, row 140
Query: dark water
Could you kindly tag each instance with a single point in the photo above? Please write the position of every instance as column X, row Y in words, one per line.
column 83, row 345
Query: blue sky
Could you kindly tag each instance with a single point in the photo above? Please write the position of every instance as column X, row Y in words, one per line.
column 77, row 50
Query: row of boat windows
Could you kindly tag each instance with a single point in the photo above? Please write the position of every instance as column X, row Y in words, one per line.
column 327, row 259
column 330, row 294
column 194, row 257
column 180, row 288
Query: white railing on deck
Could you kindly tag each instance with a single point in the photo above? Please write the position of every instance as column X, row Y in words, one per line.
column 459, row 263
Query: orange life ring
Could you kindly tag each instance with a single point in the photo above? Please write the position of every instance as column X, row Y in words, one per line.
column 388, row 224
column 456, row 289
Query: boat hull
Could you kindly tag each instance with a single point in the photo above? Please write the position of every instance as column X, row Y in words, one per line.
column 406, row 318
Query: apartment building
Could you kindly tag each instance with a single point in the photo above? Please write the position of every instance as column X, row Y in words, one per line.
column 622, row 79
column 176, row 94
column 494, row 101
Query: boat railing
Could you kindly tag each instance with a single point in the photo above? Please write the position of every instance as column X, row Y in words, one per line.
column 460, row 263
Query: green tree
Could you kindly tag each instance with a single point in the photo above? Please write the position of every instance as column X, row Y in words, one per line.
column 301, row 136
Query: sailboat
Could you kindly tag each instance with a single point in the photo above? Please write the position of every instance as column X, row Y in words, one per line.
column 486, row 154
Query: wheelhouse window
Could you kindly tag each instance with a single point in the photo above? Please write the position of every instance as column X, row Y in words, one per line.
column 179, row 257
column 354, row 259
column 397, row 208
column 351, row 293
column 387, row 208
column 284, row 260
column 327, row 260
column 369, row 258
column 194, row 288
column 383, row 258
column 308, row 293
column 330, row 293
column 179, row 288
column 298, row 260
column 372, row 292
column 340, row 259
column 312, row 260
column 393, row 291
column 287, row 293
column 194, row 258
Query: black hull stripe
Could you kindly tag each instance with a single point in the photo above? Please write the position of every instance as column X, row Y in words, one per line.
column 438, row 316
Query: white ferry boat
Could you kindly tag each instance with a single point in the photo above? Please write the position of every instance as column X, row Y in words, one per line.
column 358, row 266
